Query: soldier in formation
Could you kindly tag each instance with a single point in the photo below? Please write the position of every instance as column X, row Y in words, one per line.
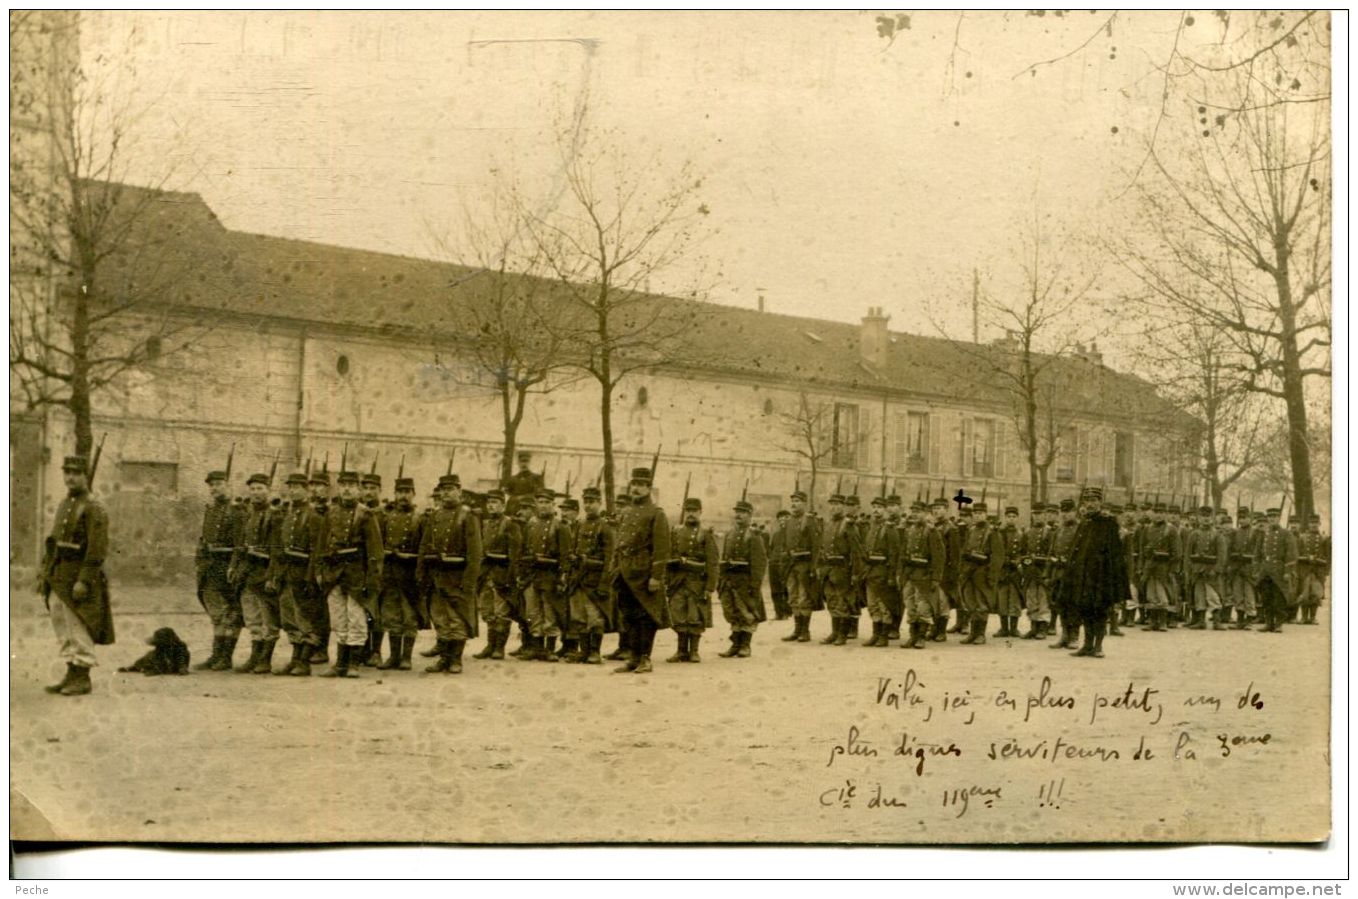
column 315, row 566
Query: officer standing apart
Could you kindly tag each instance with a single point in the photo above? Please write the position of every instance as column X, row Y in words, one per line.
column 1095, row 579
column 73, row 569
column 643, row 550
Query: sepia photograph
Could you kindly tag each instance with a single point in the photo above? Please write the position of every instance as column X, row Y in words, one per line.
column 802, row 428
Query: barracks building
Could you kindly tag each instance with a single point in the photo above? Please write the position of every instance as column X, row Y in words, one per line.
column 298, row 348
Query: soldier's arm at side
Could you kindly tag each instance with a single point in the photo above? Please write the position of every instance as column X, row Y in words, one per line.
column 713, row 561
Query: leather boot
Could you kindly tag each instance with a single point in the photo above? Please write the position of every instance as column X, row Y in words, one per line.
column 911, row 641
column 1013, row 626
column 804, row 622
column 830, row 638
column 978, row 628
column 743, row 650
column 796, row 630
column 961, row 626
column 1098, row 646
column 445, row 659
column 1216, row 620
column 1041, row 628
column 693, row 648
column 1087, row 649
column 893, row 628
column 498, row 653
column 596, row 642
column 455, row 648
column 79, row 684
column 619, row 654
column 1199, row 621
column 1004, row 627
column 489, row 648
column 209, row 664
column 65, row 680
column 850, row 627
column 344, row 655
column 1113, row 628
column 305, row 654
column 1158, row 617
column 434, row 651
column 320, row 655
column 373, row 656
column 393, row 659
column 248, row 666
column 264, row 664
column 842, row 632
column 876, row 632
column 941, row 629
column 629, row 666
column 549, row 653
column 681, row 654
column 292, row 662
column 529, row 651
column 734, row 648
column 1067, row 638
column 570, row 649
column 407, row 649
column 643, row 665
column 228, row 649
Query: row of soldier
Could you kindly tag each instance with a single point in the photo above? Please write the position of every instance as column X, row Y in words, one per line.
column 352, row 568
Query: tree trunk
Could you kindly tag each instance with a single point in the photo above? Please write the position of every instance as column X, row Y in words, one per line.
column 510, row 433
column 1294, row 394
column 1042, row 481
column 80, row 368
column 606, row 426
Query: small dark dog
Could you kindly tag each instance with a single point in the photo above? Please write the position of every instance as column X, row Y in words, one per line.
column 169, row 655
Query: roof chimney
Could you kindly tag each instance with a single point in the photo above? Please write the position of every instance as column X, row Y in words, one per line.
column 873, row 342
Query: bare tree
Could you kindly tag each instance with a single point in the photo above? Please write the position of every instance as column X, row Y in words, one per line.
column 805, row 434
column 513, row 333
column 1039, row 318
column 1240, row 241
column 1190, row 362
column 618, row 225
column 95, row 261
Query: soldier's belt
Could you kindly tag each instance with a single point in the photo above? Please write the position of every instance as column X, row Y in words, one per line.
column 497, row 560
column 400, row 556
column 876, row 560
column 546, row 563
column 221, row 550
column 693, row 564
column 976, row 557
column 445, row 559
column 916, row 562
column 1160, row 555
column 1310, row 560
column 594, row 564
column 735, row 565
column 1203, row 560
column 259, row 554
column 800, row 555
column 344, row 552
column 68, row 550
column 293, row 555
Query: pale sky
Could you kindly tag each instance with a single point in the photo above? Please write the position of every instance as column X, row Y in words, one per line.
column 840, row 173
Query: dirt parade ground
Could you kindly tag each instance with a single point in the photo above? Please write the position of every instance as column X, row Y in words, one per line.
column 1176, row 736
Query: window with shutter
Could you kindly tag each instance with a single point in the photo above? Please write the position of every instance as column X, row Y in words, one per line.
column 1001, row 449
column 1124, row 460
column 916, row 442
column 983, row 448
column 1081, row 455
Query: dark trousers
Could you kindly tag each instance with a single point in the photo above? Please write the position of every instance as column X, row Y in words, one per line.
column 638, row 626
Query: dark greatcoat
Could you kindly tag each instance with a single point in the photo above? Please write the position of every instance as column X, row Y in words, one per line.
column 75, row 552
column 1095, row 577
column 643, row 553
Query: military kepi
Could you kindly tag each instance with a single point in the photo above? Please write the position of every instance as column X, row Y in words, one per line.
column 214, row 476
column 76, row 463
column 641, row 476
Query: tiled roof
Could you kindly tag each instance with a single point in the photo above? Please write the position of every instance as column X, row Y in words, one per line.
column 273, row 276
